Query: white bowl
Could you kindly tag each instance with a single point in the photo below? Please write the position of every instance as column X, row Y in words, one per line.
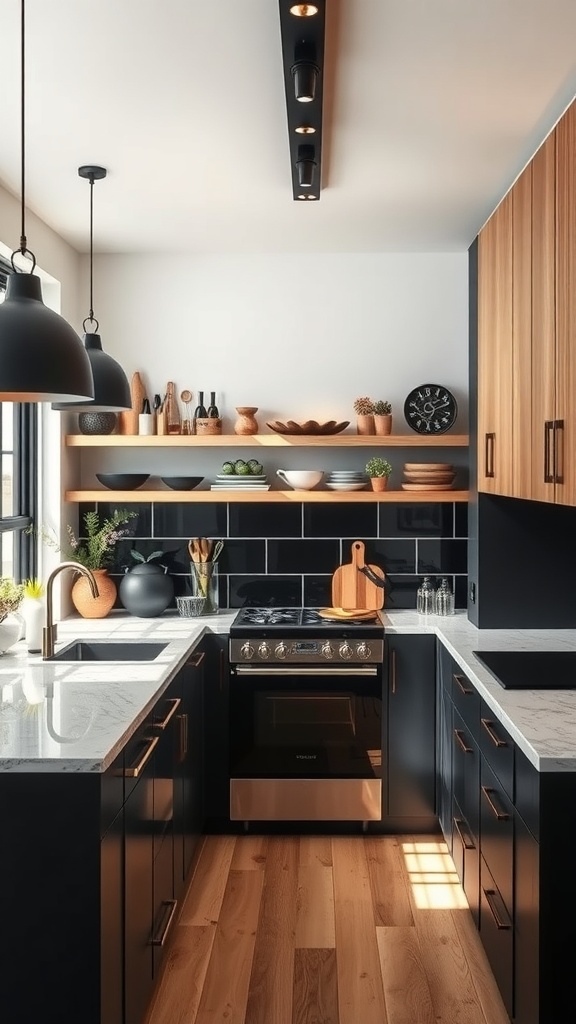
column 301, row 479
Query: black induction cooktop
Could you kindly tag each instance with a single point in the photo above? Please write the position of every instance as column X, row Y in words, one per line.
column 531, row 670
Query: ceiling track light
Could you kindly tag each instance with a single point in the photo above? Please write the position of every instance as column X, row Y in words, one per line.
column 41, row 357
column 111, row 387
column 302, row 30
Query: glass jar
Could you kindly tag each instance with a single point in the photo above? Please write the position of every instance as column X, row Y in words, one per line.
column 204, row 579
column 425, row 604
column 444, row 598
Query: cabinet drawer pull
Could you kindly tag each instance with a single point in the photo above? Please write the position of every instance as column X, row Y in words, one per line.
column 196, row 659
column 493, row 735
column 548, row 474
column 490, row 440
column 558, row 461
column 500, row 815
column 465, row 837
column 175, row 702
column 393, row 668
column 459, row 736
column 183, row 737
column 168, row 917
column 459, row 680
column 492, row 899
column 134, row 771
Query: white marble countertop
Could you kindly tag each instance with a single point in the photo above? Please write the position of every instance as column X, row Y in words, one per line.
column 76, row 717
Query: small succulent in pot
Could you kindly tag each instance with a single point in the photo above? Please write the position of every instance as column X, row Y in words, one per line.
column 378, row 470
column 364, row 406
column 382, row 408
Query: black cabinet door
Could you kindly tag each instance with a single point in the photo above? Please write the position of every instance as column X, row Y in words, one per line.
column 216, row 732
column 111, row 924
column 444, row 745
column 138, row 875
column 526, row 925
column 410, row 725
column 189, row 789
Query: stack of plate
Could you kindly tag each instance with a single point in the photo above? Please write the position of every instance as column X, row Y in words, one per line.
column 346, row 480
column 428, row 476
column 235, row 482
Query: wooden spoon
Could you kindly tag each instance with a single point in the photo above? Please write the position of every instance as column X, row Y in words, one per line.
column 193, row 550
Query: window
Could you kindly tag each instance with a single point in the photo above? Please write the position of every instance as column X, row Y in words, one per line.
column 18, row 470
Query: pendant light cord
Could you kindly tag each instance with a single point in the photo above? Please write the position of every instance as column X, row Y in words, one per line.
column 23, row 250
column 91, row 318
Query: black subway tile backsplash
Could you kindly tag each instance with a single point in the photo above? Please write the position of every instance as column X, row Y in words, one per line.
column 305, row 556
column 317, row 591
column 461, row 519
column 340, row 520
column 392, row 555
column 442, row 556
column 418, row 520
column 243, row 556
column 190, row 520
column 265, row 590
column 140, row 526
column 401, row 592
column 251, row 520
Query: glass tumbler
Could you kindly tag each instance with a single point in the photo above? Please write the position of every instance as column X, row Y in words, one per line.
column 444, row 598
column 425, row 603
column 204, row 580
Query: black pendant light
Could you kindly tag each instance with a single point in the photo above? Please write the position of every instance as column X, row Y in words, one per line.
column 41, row 356
column 111, row 387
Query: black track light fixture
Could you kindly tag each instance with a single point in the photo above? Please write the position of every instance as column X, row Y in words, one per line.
column 306, row 165
column 41, row 356
column 111, row 387
column 302, row 29
column 305, row 74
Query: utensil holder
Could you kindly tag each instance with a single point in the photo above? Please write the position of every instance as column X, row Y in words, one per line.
column 204, row 581
column 208, row 426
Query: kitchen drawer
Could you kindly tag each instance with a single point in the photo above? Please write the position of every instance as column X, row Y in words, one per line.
column 498, row 748
column 497, row 935
column 466, row 857
column 111, row 793
column 527, row 792
column 466, row 699
column 466, row 772
column 497, row 834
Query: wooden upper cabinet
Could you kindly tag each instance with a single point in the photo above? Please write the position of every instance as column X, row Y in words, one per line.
column 495, row 352
column 522, row 444
column 565, row 380
column 543, row 389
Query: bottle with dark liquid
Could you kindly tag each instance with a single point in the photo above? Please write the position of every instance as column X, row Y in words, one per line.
column 200, row 410
column 213, row 413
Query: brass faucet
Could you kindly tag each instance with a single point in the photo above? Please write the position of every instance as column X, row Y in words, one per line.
column 49, row 633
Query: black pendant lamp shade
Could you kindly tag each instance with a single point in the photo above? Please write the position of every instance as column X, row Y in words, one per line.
column 41, row 356
column 111, row 387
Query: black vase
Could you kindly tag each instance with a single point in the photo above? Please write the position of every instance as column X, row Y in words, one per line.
column 96, row 422
column 146, row 590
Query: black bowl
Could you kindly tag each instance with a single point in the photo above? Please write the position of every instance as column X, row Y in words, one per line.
column 122, row 481
column 182, row 483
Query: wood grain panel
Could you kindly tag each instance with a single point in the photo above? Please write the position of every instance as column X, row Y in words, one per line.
column 452, row 990
column 543, row 309
column 272, row 976
column 482, row 977
column 250, row 853
column 315, row 987
column 360, row 992
column 225, row 991
column 315, row 909
column 388, row 885
column 315, row 851
column 180, row 989
column 265, row 497
column 408, row 999
column 566, row 302
column 522, row 335
column 204, row 899
column 266, row 440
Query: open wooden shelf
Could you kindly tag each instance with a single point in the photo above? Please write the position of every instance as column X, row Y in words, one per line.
column 409, row 497
column 267, row 441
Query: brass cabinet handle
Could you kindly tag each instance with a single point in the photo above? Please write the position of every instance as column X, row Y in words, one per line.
column 134, row 771
column 459, row 736
column 490, row 441
column 492, row 898
column 459, row 680
column 393, row 668
column 170, row 910
column 548, row 474
column 196, row 659
column 465, row 837
column 493, row 735
column 558, row 461
column 175, row 702
column 500, row 815
column 183, row 738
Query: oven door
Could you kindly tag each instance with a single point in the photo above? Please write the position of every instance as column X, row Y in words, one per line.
column 306, row 743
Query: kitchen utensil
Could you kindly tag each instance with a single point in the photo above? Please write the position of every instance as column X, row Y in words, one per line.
column 128, row 420
column 346, row 614
column 217, row 550
column 205, row 549
column 171, row 410
column 351, row 588
column 186, row 397
column 193, row 549
column 310, row 427
column 301, row 479
column 188, row 606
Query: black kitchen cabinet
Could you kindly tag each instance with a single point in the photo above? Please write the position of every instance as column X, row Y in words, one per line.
column 526, row 924
column 409, row 728
column 138, row 869
column 466, row 810
column 216, row 732
column 444, row 742
column 189, row 787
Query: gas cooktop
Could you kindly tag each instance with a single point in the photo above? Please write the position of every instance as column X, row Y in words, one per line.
column 301, row 636
column 255, row 619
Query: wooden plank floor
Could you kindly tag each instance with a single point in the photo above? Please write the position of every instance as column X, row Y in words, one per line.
column 319, row 930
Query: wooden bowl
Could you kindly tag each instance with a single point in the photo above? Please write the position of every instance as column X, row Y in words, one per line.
column 309, row 427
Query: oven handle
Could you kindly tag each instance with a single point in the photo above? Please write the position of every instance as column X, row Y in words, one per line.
column 362, row 670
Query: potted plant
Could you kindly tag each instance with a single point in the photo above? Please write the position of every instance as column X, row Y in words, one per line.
column 32, row 611
column 378, row 470
column 146, row 589
column 11, row 595
column 382, row 417
column 364, row 409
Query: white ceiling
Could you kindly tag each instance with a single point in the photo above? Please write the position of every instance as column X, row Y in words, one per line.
column 432, row 107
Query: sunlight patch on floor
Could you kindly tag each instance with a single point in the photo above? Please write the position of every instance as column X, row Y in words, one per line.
column 433, row 879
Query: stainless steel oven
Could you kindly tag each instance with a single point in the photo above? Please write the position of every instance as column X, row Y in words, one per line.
column 306, row 726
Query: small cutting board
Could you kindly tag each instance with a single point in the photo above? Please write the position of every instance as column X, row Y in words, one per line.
column 129, row 420
column 351, row 588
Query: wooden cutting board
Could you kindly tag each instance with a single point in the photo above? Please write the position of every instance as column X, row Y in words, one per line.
column 351, row 588
column 129, row 420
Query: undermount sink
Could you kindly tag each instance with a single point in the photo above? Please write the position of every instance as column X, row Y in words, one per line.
column 102, row 650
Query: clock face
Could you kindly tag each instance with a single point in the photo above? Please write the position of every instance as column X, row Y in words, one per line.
column 430, row 409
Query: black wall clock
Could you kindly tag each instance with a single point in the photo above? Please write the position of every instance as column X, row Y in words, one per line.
column 430, row 409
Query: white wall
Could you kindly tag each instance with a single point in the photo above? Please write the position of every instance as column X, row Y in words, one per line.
column 299, row 336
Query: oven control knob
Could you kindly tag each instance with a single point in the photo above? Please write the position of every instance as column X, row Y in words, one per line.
column 345, row 651
column 281, row 651
column 264, row 651
column 327, row 650
column 246, row 651
column 363, row 651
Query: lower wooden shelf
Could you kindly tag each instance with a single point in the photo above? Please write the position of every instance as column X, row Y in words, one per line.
column 139, row 496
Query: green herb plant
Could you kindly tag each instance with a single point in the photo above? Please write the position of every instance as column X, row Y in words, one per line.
column 11, row 595
column 378, row 467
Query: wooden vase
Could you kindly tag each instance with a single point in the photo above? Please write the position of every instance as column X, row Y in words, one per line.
column 94, row 607
column 383, row 423
column 246, row 422
column 379, row 483
column 365, row 424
